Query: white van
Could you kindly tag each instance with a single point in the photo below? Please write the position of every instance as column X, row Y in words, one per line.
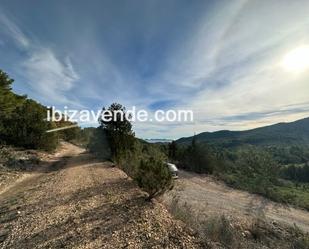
column 173, row 169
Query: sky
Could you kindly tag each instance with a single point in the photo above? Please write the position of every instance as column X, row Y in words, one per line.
column 227, row 61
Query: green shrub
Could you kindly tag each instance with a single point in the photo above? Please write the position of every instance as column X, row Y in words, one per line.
column 153, row 177
column 22, row 120
column 197, row 157
column 140, row 160
column 98, row 144
column 118, row 131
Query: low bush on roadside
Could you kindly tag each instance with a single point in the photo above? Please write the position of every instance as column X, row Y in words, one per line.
column 226, row 232
column 12, row 159
column 181, row 212
column 143, row 162
column 209, row 229
column 219, row 229
column 21, row 164
column 301, row 243
column 98, row 144
column 153, row 177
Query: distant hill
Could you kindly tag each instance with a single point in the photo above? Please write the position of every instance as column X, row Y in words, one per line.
column 295, row 133
column 158, row 140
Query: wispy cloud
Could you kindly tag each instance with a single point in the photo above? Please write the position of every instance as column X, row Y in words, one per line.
column 49, row 76
column 12, row 30
column 229, row 71
column 219, row 58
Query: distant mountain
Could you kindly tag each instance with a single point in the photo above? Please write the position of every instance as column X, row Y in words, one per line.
column 295, row 133
column 158, row 140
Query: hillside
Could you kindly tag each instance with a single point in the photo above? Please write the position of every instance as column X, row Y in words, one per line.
column 295, row 133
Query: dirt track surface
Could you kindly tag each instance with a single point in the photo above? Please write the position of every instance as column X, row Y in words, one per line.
column 75, row 201
column 211, row 197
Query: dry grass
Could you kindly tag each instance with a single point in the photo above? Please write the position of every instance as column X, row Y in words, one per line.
column 227, row 232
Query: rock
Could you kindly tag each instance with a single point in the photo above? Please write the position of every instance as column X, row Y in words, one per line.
column 247, row 234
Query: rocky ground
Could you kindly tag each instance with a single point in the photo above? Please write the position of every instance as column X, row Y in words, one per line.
column 17, row 164
column 71, row 200
column 74, row 201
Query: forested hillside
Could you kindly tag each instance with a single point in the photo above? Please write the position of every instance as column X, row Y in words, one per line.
column 272, row 161
column 295, row 133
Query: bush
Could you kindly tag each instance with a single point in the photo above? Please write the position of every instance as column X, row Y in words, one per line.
column 153, row 177
column 183, row 211
column 254, row 171
column 118, row 131
column 220, row 229
column 301, row 243
column 197, row 157
column 99, row 145
column 299, row 173
column 27, row 127
column 141, row 161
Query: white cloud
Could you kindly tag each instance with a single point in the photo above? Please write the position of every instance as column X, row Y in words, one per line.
column 49, row 76
column 13, row 31
column 230, row 66
column 225, row 67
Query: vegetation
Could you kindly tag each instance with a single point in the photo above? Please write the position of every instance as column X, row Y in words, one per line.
column 23, row 121
column 195, row 157
column 255, row 171
column 153, row 176
column 226, row 232
column 143, row 162
column 277, row 172
column 98, row 143
column 118, row 131
column 285, row 155
column 297, row 173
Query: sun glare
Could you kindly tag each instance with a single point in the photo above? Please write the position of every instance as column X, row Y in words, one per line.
column 297, row 60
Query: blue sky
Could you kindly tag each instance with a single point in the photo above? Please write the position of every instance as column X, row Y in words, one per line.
column 222, row 59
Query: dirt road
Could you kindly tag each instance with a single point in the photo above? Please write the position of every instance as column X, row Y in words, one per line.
column 210, row 197
column 75, row 201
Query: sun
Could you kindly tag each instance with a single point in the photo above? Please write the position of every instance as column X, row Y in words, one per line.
column 297, row 60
